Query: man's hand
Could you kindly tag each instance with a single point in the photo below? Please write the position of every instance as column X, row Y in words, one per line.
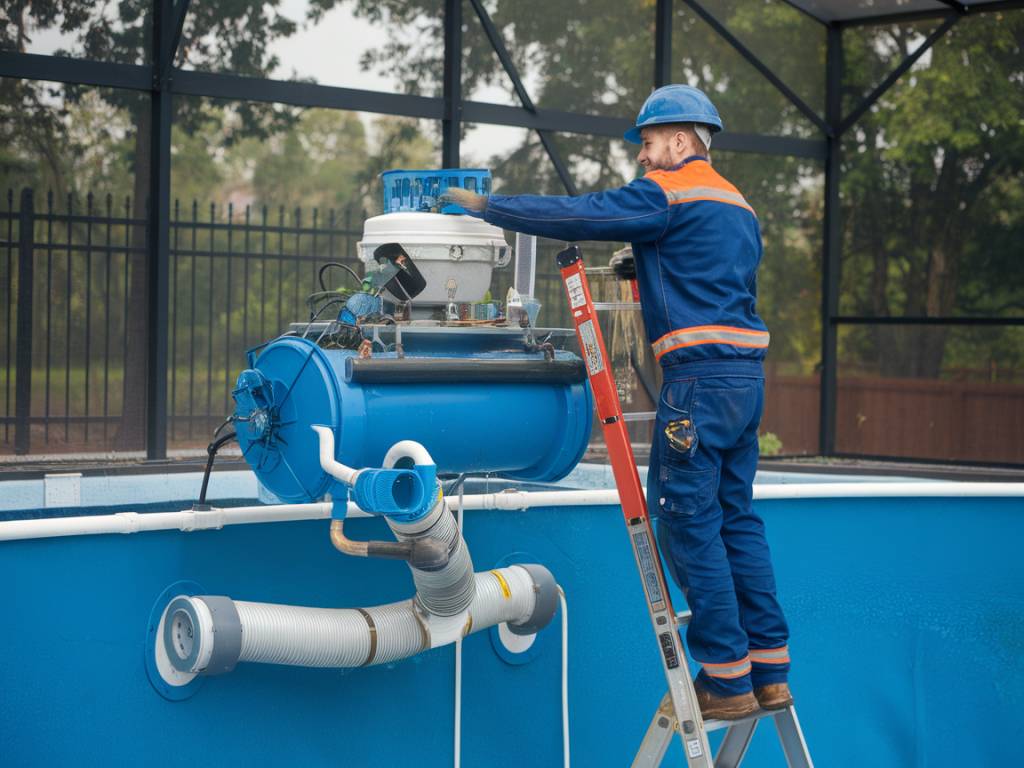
column 471, row 201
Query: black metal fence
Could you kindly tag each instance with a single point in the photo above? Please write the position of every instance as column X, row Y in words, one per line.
column 238, row 276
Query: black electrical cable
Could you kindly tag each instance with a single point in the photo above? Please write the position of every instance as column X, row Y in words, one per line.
column 320, row 311
column 346, row 267
column 211, row 452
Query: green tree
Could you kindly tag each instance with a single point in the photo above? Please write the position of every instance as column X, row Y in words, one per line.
column 933, row 181
column 233, row 37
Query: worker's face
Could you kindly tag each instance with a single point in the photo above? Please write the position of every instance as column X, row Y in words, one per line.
column 662, row 148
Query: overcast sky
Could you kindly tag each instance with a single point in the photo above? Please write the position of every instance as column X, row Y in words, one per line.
column 329, row 52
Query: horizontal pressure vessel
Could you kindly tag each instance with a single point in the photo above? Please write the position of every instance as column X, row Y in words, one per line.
column 476, row 407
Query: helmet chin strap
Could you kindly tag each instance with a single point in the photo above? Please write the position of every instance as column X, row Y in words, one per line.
column 704, row 133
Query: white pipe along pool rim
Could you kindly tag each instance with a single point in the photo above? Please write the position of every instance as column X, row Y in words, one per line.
column 189, row 520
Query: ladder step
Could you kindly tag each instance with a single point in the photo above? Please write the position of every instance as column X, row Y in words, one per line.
column 717, row 725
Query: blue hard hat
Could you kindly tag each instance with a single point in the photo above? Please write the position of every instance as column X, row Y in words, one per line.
column 675, row 104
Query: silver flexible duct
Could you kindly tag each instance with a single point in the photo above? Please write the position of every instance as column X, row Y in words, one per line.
column 523, row 596
column 447, row 591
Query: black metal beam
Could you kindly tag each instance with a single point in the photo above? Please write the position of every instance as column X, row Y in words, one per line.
column 556, row 159
column 759, row 65
column 602, row 125
column 912, row 16
column 224, row 86
column 25, row 322
column 805, row 12
column 897, row 73
column 498, row 44
column 921, row 320
column 63, row 69
column 451, row 123
column 158, row 234
column 832, row 251
column 235, row 87
column 178, row 22
column 662, row 43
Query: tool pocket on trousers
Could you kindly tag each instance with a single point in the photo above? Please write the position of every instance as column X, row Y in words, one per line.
column 675, row 420
column 685, row 491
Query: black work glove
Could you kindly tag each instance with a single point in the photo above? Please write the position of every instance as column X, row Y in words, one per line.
column 624, row 266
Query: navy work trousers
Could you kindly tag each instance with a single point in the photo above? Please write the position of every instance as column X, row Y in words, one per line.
column 699, row 488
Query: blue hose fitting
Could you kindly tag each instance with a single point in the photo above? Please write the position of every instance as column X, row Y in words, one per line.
column 401, row 494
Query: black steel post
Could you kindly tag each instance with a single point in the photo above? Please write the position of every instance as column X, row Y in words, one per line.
column 832, row 241
column 451, row 125
column 158, row 234
column 663, row 43
column 23, row 355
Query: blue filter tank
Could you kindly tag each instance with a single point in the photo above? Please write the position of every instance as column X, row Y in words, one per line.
column 479, row 399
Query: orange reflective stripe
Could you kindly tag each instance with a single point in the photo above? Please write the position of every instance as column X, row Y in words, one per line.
column 710, row 334
column 727, row 670
column 697, row 180
column 770, row 655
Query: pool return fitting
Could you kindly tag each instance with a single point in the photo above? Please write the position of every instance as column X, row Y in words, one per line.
column 209, row 635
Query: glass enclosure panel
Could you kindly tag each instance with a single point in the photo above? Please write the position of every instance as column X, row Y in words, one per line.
column 934, row 175
column 745, row 100
column 594, row 57
column 117, row 32
column 259, row 205
column 73, row 185
column 788, row 42
column 947, row 393
column 392, row 46
column 787, row 194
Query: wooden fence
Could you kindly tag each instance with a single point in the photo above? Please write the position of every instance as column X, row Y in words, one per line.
column 908, row 418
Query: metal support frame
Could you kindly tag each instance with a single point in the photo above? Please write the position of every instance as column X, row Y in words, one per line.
column 663, row 43
column 167, row 21
column 760, row 66
column 177, row 24
column 832, row 242
column 498, row 44
column 162, row 80
column 451, row 123
column 897, row 73
column 23, row 353
column 909, row 17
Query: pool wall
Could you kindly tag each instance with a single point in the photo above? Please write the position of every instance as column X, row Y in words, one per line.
column 907, row 620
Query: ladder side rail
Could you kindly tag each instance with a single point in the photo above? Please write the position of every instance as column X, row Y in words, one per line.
column 696, row 748
column 794, row 746
column 734, row 745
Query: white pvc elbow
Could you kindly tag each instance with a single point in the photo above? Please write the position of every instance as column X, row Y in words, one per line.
column 407, row 449
column 328, row 463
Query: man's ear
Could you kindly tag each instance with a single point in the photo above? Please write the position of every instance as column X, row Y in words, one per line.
column 680, row 141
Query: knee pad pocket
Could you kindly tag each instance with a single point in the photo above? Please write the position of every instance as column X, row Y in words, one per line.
column 685, row 490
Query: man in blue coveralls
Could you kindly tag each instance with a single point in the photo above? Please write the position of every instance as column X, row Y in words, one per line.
column 697, row 246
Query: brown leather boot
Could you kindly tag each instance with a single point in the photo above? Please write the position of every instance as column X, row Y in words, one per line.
column 774, row 696
column 715, row 707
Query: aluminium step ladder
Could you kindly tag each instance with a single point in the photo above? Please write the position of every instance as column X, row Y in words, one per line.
column 678, row 712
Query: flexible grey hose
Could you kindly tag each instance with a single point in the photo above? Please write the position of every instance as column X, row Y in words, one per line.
column 447, row 591
column 354, row 637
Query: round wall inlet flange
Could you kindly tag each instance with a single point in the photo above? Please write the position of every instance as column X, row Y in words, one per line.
column 164, row 676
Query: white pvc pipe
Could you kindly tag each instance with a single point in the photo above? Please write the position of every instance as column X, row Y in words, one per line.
column 565, row 677
column 883, row 490
column 407, row 449
column 332, row 467
column 134, row 522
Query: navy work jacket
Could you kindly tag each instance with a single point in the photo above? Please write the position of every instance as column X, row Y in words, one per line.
column 697, row 246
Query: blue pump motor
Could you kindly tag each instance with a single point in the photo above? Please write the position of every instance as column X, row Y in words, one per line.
column 476, row 406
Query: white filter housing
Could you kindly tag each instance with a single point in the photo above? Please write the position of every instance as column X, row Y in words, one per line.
column 455, row 254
